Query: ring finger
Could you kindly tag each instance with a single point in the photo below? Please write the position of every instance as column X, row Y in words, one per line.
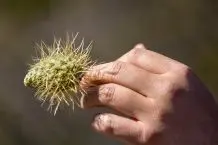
column 119, row 98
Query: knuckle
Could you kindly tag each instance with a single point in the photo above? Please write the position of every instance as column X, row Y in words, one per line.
column 182, row 71
column 155, row 110
column 179, row 77
column 137, row 51
column 106, row 94
column 185, row 70
column 116, row 67
column 167, row 87
column 175, row 80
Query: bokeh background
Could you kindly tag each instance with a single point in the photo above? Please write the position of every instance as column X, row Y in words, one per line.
column 184, row 30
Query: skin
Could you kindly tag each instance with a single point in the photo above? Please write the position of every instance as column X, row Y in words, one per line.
column 159, row 101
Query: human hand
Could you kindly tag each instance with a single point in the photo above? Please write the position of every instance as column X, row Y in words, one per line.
column 161, row 100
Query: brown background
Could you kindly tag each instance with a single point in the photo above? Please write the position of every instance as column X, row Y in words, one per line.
column 184, row 30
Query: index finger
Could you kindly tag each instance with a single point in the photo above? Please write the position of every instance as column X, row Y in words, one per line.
column 147, row 59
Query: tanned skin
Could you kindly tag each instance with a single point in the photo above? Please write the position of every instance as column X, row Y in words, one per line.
column 160, row 101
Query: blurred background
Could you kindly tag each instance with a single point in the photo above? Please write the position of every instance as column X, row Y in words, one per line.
column 184, row 30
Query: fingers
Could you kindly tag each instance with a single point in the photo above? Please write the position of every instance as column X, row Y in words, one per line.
column 118, row 98
column 148, row 59
column 127, row 75
column 120, row 128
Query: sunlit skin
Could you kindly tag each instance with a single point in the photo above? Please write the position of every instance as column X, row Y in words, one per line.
column 161, row 100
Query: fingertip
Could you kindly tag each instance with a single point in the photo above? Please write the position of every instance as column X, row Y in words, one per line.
column 102, row 123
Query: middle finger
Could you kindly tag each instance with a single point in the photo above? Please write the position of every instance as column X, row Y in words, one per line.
column 119, row 98
column 125, row 74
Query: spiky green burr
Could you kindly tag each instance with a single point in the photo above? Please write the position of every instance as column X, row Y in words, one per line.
column 57, row 73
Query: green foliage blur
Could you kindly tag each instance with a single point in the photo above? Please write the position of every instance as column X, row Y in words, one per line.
column 184, row 30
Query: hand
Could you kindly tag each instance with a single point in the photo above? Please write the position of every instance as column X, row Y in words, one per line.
column 161, row 101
